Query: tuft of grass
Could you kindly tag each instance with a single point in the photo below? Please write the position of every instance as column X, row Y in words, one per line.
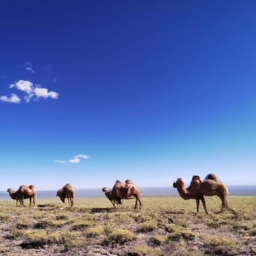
column 5, row 217
column 81, row 224
column 23, row 225
column 145, row 250
column 62, row 217
column 221, row 244
column 120, row 236
column 95, row 231
column 178, row 233
column 148, row 226
column 158, row 240
column 253, row 231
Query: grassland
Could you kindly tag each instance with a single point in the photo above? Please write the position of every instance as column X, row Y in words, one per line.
column 164, row 226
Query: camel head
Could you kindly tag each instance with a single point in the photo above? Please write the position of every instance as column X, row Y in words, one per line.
column 60, row 194
column 105, row 189
column 9, row 190
column 179, row 183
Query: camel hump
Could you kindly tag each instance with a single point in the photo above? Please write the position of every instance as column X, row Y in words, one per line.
column 197, row 178
column 31, row 187
column 212, row 176
column 128, row 182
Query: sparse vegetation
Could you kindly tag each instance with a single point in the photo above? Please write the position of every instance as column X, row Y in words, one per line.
column 164, row 226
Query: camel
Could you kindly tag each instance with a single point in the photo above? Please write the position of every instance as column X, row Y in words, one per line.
column 125, row 191
column 68, row 192
column 24, row 192
column 198, row 189
column 108, row 194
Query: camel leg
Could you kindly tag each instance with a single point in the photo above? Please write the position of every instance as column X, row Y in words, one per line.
column 224, row 204
column 22, row 200
column 113, row 203
column 204, row 204
column 72, row 201
column 139, row 202
column 197, row 204
column 136, row 202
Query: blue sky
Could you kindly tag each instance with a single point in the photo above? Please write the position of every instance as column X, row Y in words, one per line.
column 142, row 90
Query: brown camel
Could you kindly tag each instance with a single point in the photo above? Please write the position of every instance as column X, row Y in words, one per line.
column 126, row 191
column 68, row 192
column 24, row 192
column 198, row 189
column 108, row 194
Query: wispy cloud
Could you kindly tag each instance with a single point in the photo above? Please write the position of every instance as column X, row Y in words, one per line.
column 28, row 66
column 13, row 99
column 60, row 161
column 30, row 90
column 75, row 160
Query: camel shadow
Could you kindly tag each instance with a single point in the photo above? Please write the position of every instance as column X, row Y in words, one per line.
column 226, row 210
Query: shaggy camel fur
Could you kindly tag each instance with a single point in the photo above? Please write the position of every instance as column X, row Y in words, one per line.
column 198, row 189
column 24, row 192
column 125, row 191
column 108, row 194
column 68, row 192
column 212, row 176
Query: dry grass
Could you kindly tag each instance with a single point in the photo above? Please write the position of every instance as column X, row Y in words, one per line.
column 164, row 226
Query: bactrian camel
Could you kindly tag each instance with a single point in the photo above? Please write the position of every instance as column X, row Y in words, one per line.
column 68, row 192
column 125, row 191
column 24, row 192
column 108, row 194
column 198, row 189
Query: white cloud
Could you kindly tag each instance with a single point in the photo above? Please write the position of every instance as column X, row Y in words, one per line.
column 60, row 161
column 22, row 85
column 75, row 161
column 43, row 92
column 82, row 156
column 13, row 99
column 31, row 92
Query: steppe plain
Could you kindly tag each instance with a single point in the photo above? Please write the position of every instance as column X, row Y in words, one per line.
column 164, row 226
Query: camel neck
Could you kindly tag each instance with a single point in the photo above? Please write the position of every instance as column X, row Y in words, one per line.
column 184, row 193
